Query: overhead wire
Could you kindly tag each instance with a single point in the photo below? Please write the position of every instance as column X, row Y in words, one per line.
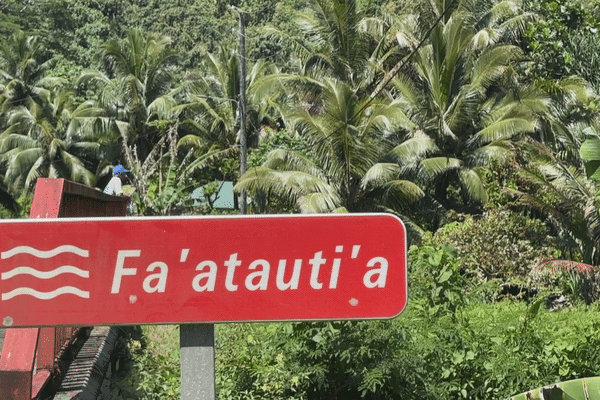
column 394, row 71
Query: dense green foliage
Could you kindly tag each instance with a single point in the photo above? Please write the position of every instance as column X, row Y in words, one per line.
column 148, row 364
column 565, row 40
column 446, row 344
column 498, row 244
column 475, row 121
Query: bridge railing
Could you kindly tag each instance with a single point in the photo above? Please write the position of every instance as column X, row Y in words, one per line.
column 30, row 356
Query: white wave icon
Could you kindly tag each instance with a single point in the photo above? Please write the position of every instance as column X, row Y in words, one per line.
column 67, row 248
column 64, row 269
column 46, row 295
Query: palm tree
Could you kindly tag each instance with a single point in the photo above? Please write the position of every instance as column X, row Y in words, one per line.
column 564, row 128
column 45, row 141
column 339, row 40
column 454, row 90
column 22, row 71
column 348, row 167
column 566, row 200
column 211, row 102
column 210, row 113
column 137, row 85
column 336, row 41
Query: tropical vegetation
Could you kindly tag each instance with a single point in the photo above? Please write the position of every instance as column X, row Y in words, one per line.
column 475, row 121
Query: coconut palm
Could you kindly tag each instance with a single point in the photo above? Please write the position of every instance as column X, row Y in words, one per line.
column 347, row 168
column 454, row 90
column 566, row 199
column 46, row 141
column 136, row 86
column 210, row 113
column 211, row 102
column 22, row 71
column 335, row 40
column 564, row 127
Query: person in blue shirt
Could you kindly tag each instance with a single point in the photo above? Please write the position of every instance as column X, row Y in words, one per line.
column 115, row 185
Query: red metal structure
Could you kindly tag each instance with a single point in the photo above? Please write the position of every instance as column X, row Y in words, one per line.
column 30, row 356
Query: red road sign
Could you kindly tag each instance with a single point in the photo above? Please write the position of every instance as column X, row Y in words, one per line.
column 201, row 269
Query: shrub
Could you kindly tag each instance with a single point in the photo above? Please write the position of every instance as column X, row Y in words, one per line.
column 151, row 365
column 499, row 244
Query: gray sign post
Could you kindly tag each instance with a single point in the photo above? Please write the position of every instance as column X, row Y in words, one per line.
column 197, row 342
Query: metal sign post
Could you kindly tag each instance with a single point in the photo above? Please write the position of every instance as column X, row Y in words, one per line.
column 197, row 342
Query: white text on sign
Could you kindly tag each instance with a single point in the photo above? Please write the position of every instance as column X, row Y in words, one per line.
column 255, row 275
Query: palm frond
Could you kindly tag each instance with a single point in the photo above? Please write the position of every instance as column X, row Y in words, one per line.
column 379, row 174
column 77, row 170
column 192, row 141
column 164, row 107
column 316, row 203
column 473, row 184
column 286, row 184
column 414, row 148
column 438, row 165
column 209, row 158
column 20, row 164
column 37, row 169
column 400, row 193
column 499, row 150
column 504, row 129
column 492, row 63
column 289, row 160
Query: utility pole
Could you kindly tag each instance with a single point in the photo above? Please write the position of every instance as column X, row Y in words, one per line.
column 242, row 106
column 197, row 341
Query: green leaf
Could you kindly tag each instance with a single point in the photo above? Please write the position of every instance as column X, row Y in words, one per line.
column 445, row 276
column 592, row 169
column 590, row 149
column 435, row 258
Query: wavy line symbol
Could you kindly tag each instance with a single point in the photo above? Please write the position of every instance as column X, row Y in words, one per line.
column 65, row 269
column 67, row 248
column 22, row 291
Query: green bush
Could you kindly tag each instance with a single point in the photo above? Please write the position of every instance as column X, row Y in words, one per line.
column 149, row 367
column 491, row 352
column 252, row 364
column 499, row 244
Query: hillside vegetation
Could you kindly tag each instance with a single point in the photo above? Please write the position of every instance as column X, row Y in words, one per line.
column 474, row 121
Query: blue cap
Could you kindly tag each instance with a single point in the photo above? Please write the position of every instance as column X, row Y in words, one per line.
column 119, row 169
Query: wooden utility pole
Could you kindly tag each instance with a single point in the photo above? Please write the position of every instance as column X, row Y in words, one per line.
column 242, row 108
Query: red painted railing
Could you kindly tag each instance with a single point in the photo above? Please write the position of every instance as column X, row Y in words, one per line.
column 30, row 355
